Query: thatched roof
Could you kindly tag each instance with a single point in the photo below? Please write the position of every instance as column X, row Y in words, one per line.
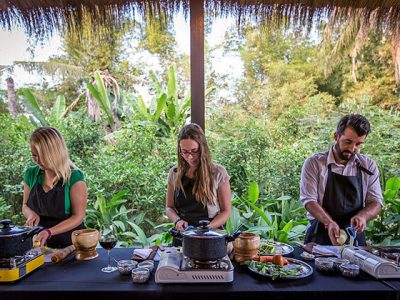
column 41, row 17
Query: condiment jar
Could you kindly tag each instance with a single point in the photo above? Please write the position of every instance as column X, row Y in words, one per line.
column 337, row 262
column 148, row 264
column 125, row 267
column 140, row 275
column 350, row 270
column 324, row 264
column 246, row 246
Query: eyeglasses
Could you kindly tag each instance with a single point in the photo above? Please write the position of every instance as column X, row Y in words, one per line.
column 193, row 152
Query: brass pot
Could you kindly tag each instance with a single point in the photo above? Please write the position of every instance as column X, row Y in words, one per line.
column 85, row 242
column 246, row 246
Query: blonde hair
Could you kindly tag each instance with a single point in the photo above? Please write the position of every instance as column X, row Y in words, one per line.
column 203, row 188
column 52, row 152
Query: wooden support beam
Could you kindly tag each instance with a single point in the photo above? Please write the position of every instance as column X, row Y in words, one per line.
column 197, row 61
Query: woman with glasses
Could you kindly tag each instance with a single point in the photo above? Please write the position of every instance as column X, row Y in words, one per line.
column 198, row 189
column 55, row 192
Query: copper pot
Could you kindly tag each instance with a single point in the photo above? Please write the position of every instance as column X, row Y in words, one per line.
column 246, row 246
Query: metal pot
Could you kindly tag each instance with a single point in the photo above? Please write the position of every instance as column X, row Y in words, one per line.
column 15, row 240
column 203, row 243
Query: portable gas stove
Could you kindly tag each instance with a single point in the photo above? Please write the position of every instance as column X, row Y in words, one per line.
column 371, row 261
column 175, row 267
column 14, row 268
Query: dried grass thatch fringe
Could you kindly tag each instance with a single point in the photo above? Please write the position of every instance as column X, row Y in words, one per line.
column 43, row 17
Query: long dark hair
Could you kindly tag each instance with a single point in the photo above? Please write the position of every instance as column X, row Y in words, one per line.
column 203, row 188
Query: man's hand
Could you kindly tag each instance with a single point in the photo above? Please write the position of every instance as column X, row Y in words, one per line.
column 358, row 222
column 333, row 232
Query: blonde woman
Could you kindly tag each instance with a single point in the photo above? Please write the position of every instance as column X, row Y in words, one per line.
column 197, row 188
column 55, row 192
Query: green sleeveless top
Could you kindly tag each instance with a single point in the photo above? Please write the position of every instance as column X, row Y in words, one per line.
column 34, row 174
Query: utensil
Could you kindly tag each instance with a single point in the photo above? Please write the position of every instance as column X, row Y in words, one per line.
column 108, row 240
column 16, row 240
column 203, row 243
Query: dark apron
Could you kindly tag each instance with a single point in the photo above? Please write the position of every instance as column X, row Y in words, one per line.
column 50, row 207
column 343, row 199
column 188, row 208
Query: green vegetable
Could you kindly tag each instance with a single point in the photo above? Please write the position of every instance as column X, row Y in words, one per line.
column 274, row 271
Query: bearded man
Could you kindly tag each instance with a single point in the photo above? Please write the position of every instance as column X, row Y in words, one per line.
column 340, row 187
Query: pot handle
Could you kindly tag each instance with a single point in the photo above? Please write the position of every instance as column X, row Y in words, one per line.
column 231, row 238
column 32, row 232
column 175, row 233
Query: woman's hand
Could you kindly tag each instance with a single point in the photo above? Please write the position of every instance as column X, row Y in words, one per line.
column 181, row 225
column 42, row 237
column 32, row 218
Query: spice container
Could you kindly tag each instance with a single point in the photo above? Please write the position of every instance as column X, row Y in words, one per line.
column 324, row 264
column 337, row 262
column 140, row 275
column 350, row 270
column 125, row 267
column 148, row 264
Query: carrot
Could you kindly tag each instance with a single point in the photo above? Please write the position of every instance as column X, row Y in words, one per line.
column 266, row 258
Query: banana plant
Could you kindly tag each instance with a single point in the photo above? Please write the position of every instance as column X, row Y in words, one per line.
column 109, row 103
column 167, row 110
column 57, row 112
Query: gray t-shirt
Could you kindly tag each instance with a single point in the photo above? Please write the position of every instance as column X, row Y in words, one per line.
column 220, row 176
column 314, row 176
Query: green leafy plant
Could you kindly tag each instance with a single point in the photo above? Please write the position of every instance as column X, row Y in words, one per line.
column 57, row 112
column 385, row 229
column 279, row 219
column 109, row 102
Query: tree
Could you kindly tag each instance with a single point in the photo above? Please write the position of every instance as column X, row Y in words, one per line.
column 11, row 96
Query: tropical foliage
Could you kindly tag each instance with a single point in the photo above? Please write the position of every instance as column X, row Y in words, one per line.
column 283, row 109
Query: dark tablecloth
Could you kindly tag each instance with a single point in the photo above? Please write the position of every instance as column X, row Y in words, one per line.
column 84, row 280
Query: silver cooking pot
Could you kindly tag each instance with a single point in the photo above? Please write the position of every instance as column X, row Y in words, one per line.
column 202, row 243
column 16, row 240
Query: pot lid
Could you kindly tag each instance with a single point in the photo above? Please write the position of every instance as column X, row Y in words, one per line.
column 6, row 228
column 204, row 232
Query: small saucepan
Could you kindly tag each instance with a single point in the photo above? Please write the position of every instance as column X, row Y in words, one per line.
column 16, row 240
column 204, row 244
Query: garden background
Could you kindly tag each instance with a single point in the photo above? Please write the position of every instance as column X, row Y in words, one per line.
column 293, row 89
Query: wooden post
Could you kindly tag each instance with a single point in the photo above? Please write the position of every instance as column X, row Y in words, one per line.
column 197, row 62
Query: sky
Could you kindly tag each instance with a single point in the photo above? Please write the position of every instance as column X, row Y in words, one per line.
column 13, row 47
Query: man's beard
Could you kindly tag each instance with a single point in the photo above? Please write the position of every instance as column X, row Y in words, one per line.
column 340, row 153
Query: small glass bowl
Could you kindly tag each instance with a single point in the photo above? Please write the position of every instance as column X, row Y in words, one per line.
column 350, row 270
column 140, row 275
column 337, row 262
column 324, row 264
column 125, row 267
column 148, row 264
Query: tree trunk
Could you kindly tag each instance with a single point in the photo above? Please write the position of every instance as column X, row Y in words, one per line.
column 12, row 97
column 396, row 61
column 93, row 107
column 354, row 67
